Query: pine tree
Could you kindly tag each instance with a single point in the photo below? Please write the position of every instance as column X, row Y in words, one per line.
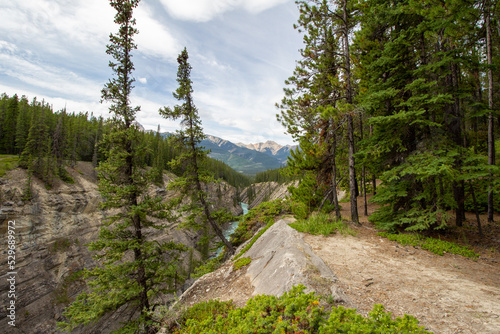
column 8, row 127
column 319, row 108
column 157, row 162
column 134, row 269
column 38, row 145
column 491, row 134
column 192, row 156
column 22, row 125
column 414, row 64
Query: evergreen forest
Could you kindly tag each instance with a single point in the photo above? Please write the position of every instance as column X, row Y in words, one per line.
column 48, row 140
column 396, row 100
column 403, row 92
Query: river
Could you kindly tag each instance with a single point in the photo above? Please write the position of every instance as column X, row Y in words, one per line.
column 232, row 227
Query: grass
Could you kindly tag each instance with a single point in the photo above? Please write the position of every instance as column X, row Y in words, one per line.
column 322, row 223
column 436, row 246
column 241, row 262
column 7, row 162
column 254, row 239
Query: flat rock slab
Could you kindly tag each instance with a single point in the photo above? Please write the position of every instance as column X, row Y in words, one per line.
column 281, row 259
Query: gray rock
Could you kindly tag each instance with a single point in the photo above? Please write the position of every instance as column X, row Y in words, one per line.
column 281, row 259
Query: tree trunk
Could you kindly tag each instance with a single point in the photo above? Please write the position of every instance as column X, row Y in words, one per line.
column 491, row 137
column 363, row 172
column 206, row 209
column 350, row 125
column 334, row 181
column 479, row 228
column 456, row 133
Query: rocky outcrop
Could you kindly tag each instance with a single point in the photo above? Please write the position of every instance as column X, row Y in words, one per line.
column 280, row 259
column 264, row 191
column 52, row 231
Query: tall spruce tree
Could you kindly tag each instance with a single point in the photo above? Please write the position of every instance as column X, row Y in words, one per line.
column 22, row 125
column 8, row 126
column 487, row 9
column 195, row 177
column 415, row 61
column 133, row 269
column 318, row 109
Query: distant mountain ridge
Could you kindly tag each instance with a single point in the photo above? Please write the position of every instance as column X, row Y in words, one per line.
column 271, row 148
column 247, row 159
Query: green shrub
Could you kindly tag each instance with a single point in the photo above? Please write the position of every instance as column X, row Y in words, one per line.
column 322, row 223
column 436, row 246
column 7, row 162
column 480, row 187
column 294, row 312
column 299, row 209
column 254, row 239
column 203, row 315
column 65, row 176
column 344, row 320
column 208, row 266
column 241, row 262
column 256, row 218
column 60, row 245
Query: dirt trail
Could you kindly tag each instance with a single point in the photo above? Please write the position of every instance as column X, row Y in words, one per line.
column 448, row 294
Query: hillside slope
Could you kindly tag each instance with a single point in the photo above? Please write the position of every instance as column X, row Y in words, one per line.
column 447, row 294
column 51, row 234
column 244, row 160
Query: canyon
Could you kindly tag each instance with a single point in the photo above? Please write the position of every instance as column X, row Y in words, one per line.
column 51, row 234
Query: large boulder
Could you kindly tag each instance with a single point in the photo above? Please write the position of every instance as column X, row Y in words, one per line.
column 281, row 259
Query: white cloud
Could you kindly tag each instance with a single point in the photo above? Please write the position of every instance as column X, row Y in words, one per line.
column 47, row 77
column 55, row 49
column 257, row 6
column 53, row 25
column 154, row 39
column 205, row 10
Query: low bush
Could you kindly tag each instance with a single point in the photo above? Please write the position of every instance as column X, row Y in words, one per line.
column 241, row 262
column 208, row 266
column 294, row 312
column 258, row 217
column 7, row 162
column 434, row 245
column 322, row 223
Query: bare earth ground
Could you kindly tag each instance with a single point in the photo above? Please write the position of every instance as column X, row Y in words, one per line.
column 448, row 294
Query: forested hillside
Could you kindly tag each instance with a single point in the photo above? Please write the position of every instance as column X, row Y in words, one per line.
column 405, row 92
column 398, row 98
column 47, row 140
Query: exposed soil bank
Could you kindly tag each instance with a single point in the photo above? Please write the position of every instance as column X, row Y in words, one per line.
column 448, row 294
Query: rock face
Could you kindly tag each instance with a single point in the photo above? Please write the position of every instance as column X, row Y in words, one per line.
column 262, row 192
column 51, row 234
column 280, row 259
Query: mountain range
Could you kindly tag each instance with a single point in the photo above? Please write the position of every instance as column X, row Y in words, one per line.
column 248, row 159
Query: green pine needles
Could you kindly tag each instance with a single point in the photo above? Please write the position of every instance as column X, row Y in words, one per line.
column 190, row 162
column 133, row 269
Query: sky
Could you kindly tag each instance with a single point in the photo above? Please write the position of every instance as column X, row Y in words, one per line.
column 241, row 52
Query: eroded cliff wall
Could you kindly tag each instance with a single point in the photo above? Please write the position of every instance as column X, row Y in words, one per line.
column 51, row 233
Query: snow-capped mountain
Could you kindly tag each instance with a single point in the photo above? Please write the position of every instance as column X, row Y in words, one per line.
column 247, row 159
column 271, row 148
